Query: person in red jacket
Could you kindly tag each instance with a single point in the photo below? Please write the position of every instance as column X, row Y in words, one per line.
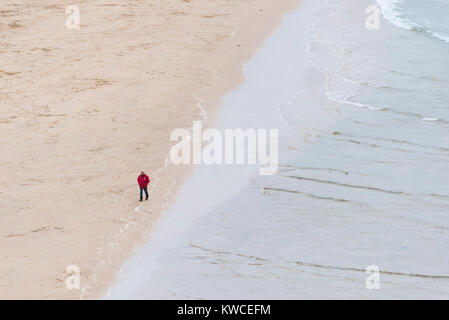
column 143, row 181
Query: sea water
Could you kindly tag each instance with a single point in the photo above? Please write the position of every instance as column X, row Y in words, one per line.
column 363, row 178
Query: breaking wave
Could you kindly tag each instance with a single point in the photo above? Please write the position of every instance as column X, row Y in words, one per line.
column 392, row 12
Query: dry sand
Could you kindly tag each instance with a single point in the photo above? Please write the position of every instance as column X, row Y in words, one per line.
column 83, row 111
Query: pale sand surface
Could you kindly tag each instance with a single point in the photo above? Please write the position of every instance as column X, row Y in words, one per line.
column 82, row 112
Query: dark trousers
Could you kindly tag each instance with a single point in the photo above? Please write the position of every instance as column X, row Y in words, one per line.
column 141, row 192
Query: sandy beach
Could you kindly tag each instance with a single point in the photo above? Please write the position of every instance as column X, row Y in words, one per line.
column 83, row 111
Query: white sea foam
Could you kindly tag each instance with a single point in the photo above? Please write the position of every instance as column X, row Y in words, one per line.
column 440, row 36
column 391, row 12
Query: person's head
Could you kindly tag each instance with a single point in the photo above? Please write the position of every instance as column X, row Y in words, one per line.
column 142, row 173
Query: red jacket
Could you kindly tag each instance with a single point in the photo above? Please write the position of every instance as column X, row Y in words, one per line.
column 143, row 181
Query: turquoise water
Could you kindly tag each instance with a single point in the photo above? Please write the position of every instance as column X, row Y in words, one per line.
column 363, row 117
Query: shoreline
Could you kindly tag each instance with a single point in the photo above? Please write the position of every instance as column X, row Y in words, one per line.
column 80, row 108
column 208, row 104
